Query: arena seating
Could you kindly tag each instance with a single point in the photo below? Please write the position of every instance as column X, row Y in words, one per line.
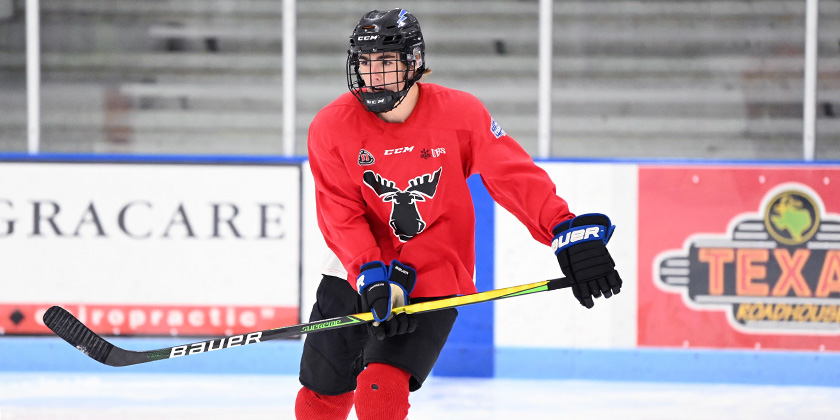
column 688, row 79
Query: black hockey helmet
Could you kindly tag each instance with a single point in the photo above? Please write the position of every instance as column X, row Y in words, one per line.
column 396, row 31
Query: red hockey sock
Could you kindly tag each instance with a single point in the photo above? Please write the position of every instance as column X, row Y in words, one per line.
column 382, row 393
column 311, row 405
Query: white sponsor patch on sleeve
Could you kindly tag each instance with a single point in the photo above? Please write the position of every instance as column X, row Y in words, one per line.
column 496, row 129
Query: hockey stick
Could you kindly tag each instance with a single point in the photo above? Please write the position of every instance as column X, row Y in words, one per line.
column 73, row 331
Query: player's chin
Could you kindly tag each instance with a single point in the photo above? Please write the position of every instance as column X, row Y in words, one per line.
column 386, row 87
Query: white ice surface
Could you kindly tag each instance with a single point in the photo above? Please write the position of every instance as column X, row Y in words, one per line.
column 170, row 396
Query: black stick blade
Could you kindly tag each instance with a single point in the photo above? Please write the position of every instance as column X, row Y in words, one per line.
column 69, row 328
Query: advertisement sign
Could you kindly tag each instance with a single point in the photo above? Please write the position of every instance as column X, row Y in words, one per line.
column 734, row 257
column 150, row 249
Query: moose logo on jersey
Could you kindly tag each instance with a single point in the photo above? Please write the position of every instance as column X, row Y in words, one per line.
column 406, row 221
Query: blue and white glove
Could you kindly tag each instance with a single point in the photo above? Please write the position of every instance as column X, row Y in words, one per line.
column 384, row 288
column 580, row 245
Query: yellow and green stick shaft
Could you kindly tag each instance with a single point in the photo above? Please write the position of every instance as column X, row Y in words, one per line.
column 73, row 331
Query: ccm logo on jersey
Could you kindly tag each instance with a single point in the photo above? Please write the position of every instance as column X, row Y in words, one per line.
column 581, row 234
column 399, row 150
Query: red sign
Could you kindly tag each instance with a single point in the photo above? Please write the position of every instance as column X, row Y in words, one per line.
column 152, row 320
column 739, row 257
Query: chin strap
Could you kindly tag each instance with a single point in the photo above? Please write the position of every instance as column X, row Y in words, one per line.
column 386, row 100
column 381, row 101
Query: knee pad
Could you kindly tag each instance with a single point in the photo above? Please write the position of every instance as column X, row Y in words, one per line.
column 311, row 405
column 382, row 393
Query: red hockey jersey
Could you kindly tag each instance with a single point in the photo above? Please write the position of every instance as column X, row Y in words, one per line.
column 398, row 190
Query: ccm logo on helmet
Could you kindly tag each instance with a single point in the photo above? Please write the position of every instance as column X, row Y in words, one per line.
column 585, row 233
column 367, row 37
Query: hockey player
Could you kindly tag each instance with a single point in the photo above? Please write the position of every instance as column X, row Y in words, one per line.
column 390, row 161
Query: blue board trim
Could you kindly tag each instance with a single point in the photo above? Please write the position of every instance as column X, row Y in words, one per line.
column 469, row 350
column 27, row 354
column 671, row 365
column 281, row 357
column 274, row 159
column 151, row 158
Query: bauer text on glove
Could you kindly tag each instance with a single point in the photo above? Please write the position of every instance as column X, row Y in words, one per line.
column 580, row 245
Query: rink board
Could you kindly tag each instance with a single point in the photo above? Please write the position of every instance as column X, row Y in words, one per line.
column 150, row 249
column 673, row 327
column 706, row 255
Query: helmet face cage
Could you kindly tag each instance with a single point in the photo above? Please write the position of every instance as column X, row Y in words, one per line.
column 387, row 49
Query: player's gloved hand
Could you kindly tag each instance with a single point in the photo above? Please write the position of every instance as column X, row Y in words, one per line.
column 580, row 245
column 384, row 288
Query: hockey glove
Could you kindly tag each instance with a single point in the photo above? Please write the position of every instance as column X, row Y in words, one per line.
column 382, row 289
column 580, row 245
